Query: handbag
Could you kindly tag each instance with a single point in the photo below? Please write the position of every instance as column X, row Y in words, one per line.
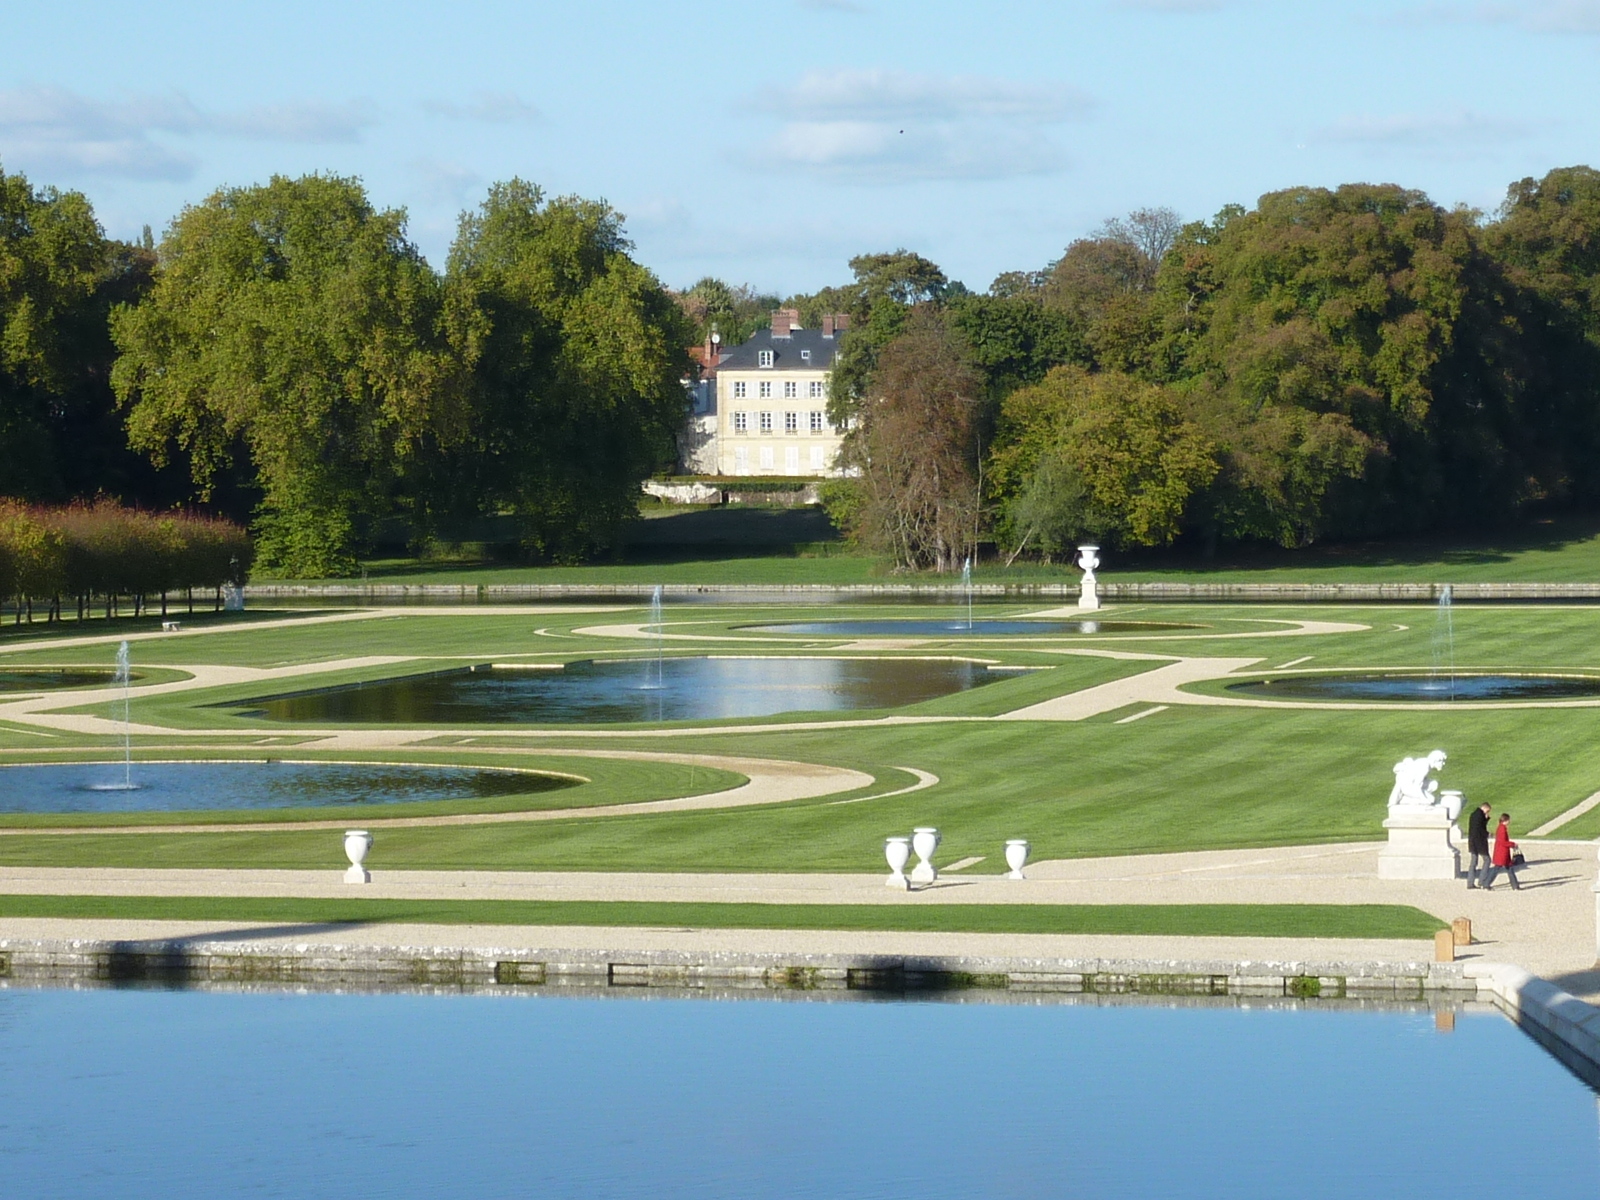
column 1517, row 860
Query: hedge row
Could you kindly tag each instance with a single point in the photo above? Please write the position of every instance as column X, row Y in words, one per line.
column 104, row 551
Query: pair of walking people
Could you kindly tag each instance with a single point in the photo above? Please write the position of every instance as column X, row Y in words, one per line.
column 1487, row 860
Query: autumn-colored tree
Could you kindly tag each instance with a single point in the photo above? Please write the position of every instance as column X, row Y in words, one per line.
column 915, row 446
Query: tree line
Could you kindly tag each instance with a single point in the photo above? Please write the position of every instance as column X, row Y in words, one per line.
column 103, row 552
column 1332, row 363
column 284, row 353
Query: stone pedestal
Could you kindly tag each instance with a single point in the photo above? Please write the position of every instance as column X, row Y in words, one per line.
column 1420, row 845
column 1089, row 597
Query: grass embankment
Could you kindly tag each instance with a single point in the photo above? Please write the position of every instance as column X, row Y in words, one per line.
column 1557, row 550
column 1388, row 921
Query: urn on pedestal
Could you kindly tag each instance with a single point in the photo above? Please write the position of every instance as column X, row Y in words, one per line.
column 356, row 844
column 924, row 840
column 898, row 851
column 1016, row 857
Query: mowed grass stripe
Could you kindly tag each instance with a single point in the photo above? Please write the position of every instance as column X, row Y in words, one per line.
column 1387, row 921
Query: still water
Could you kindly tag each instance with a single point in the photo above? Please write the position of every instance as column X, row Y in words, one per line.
column 671, row 689
column 192, row 787
column 173, row 1095
column 1421, row 687
column 996, row 627
column 48, row 679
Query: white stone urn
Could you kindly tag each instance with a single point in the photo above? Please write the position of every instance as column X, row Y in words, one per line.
column 924, row 840
column 356, row 844
column 898, row 851
column 1088, row 560
column 1017, row 857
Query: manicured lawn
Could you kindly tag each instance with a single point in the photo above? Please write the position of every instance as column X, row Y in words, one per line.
column 1189, row 778
column 1389, row 921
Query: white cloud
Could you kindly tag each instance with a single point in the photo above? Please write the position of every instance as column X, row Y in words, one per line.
column 1411, row 131
column 877, row 95
column 1173, row 6
column 882, row 126
column 445, row 182
column 52, row 129
column 1580, row 17
column 495, row 108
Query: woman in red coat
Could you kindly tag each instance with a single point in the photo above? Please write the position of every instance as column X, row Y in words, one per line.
column 1503, row 854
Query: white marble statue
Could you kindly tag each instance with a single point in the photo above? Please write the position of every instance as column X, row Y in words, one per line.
column 1412, row 787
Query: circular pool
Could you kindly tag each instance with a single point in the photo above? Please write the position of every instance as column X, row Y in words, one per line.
column 671, row 689
column 993, row 627
column 39, row 679
column 209, row 786
column 1421, row 688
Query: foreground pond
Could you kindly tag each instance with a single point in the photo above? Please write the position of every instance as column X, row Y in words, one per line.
column 184, row 1094
column 673, row 689
column 201, row 786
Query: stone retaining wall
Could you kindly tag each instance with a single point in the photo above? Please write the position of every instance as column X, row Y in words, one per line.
column 182, row 961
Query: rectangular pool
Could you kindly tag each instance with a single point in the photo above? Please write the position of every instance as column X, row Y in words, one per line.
column 171, row 1094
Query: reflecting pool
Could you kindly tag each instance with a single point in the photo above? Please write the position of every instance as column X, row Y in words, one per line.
column 139, row 1094
column 204, row 786
column 669, row 689
column 995, row 627
column 43, row 679
column 1433, row 688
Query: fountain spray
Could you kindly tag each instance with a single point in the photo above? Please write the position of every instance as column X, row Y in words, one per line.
column 125, row 678
column 966, row 582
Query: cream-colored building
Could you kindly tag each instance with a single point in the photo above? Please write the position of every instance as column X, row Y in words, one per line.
column 772, row 401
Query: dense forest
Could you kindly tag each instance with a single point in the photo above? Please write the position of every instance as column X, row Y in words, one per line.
column 1355, row 362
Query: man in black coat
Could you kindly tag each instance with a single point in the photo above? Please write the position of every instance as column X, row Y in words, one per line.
column 1478, row 846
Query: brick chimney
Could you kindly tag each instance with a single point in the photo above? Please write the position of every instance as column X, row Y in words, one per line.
column 783, row 320
column 827, row 325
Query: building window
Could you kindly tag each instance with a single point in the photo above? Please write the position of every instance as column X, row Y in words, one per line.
column 816, row 422
column 766, row 422
column 791, row 422
column 741, row 422
column 791, row 389
column 817, row 389
column 805, row 356
column 738, row 389
column 741, row 460
column 766, row 389
column 791, row 459
column 766, row 458
column 764, row 358
column 819, row 458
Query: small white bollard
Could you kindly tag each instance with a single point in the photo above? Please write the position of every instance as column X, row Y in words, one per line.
column 898, row 851
column 356, row 844
column 1017, row 857
column 924, row 840
column 169, row 627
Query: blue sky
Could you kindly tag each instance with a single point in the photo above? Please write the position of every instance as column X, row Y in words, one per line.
column 768, row 142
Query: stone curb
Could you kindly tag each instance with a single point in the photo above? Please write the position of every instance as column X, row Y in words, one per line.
column 26, row 960
column 1566, row 1026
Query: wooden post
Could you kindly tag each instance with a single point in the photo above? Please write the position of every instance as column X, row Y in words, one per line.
column 1444, row 946
column 1462, row 928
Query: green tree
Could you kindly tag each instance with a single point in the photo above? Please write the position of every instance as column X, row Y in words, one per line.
column 1105, row 455
column 579, row 352
column 293, row 323
column 734, row 311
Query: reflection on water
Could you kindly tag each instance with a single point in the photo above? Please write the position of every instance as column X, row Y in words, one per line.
column 986, row 628
column 40, row 680
column 176, row 1095
column 185, row 787
column 1421, row 687
column 631, row 690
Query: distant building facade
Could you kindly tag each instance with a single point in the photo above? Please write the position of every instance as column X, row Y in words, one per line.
column 771, row 401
